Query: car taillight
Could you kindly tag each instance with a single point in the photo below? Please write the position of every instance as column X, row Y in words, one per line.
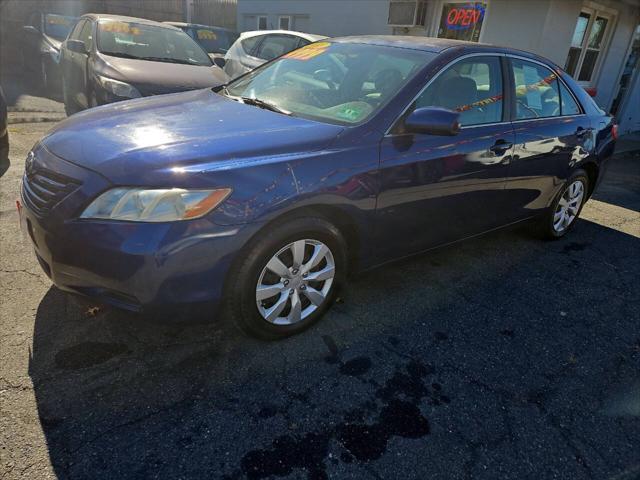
column 592, row 91
column 614, row 131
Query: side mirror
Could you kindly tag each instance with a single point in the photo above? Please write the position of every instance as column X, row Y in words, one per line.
column 220, row 62
column 77, row 46
column 433, row 121
column 30, row 29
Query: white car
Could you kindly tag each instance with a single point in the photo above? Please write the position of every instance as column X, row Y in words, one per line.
column 253, row 49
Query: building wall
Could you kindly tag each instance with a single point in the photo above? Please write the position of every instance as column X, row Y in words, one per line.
column 325, row 17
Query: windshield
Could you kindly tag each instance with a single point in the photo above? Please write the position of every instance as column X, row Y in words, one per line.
column 213, row 40
column 58, row 26
column 149, row 42
column 343, row 83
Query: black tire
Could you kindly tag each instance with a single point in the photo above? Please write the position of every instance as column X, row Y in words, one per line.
column 544, row 227
column 243, row 280
column 69, row 107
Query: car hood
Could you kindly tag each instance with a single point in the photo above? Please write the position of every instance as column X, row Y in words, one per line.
column 162, row 75
column 190, row 131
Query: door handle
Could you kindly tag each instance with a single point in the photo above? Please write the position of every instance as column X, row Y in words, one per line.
column 500, row 147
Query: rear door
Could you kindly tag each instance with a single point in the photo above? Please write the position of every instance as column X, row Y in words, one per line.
column 438, row 189
column 552, row 134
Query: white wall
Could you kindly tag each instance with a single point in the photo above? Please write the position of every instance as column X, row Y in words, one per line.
column 325, row 17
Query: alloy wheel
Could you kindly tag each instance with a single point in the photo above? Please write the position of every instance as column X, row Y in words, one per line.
column 568, row 206
column 295, row 282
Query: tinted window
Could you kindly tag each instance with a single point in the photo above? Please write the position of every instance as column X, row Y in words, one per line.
column 149, row 42
column 569, row 105
column 86, row 35
column 75, row 34
column 343, row 83
column 536, row 89
column 275, row 45
column 213, row 40
column 58, row 26
column 248, row 44
column 472, row 87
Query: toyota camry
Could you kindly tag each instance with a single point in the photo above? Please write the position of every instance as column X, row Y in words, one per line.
column 264, row 194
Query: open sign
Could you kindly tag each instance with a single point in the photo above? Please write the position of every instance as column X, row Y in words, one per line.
column 464, row 17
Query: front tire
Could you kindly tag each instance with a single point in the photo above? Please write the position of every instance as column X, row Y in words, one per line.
column 561, row 217
column 288, row 278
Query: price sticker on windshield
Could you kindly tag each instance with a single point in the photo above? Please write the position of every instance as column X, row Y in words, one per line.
column 206, row 35
column 309, row 51
column 120, row 27
column 56, row 20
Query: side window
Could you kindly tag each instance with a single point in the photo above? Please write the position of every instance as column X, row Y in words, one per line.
column 567, row 102
column 303, row 42
column 536, row 88
column 275, row 45
column 472, row 87
column 249, row 44
column 34, row 21
column 86, row 34
column 75, row 34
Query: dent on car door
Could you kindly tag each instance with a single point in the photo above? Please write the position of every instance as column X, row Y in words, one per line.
column 552, row 136
column 437, row 189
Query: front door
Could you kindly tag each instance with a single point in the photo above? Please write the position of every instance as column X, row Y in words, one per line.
column 551, row 135
column 438, row 189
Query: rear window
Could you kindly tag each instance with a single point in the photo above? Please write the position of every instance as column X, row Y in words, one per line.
column 58, row 26
column 213, row 40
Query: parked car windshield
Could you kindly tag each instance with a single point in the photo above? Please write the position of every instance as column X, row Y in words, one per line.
column 213, row 40
column 343, row 83
column 58, row 26
column 149, row 42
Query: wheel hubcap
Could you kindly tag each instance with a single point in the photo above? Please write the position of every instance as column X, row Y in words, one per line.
column 568, row 206
column 295, row 282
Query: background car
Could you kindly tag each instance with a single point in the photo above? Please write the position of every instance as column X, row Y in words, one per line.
column 265, row 193
column 108, row 58
column 215, row 40
column 44, row 34
column 253, row 49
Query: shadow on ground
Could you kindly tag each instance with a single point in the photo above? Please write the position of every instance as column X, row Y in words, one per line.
column 497, row 358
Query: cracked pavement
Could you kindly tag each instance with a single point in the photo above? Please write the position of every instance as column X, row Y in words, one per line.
column 501, row 357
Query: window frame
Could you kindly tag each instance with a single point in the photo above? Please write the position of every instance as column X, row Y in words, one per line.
column 433, row 25
column 289, row 18
column 558, row 77
column 594, row 11
column 77, row 27
column 507, row 94
column 90, row 24
column 266, row 22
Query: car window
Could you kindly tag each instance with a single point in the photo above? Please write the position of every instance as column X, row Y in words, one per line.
column 340, row 83
column 536, row 88
column 248, row 44
column 86, row 34
column 472, row 87
column 568, row 103
column 275, row 45
column 149, row 42
column 58, row 26
column 34, row 21
column 75, row 34
column 213, row 40
column 302, row 42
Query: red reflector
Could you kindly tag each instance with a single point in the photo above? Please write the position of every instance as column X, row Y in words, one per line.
column 614, row 131
column 592, row 91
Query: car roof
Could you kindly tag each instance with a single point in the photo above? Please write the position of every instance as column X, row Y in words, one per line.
column 436, row 45
column 185, row 24
column 309, row 36
column 122, row 18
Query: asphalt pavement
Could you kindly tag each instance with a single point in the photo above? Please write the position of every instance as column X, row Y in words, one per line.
column 503, row 357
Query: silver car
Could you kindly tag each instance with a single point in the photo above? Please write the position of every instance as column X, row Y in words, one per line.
column 253, row 49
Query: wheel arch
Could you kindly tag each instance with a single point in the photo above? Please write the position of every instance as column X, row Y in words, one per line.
column 593, row 171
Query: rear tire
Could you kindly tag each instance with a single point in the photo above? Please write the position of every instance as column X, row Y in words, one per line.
column 563, row 214
column 295, row 300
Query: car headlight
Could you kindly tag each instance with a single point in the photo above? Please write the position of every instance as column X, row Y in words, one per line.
column 154, row 205
column 118, row 88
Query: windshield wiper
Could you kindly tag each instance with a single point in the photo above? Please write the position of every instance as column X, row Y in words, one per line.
column 264, row 104
column 120, row 54
column 168, row 60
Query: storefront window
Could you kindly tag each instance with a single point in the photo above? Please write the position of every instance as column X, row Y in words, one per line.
column 587, row 42
column 462, row 21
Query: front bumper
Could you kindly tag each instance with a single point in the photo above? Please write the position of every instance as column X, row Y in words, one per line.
column 135, row 266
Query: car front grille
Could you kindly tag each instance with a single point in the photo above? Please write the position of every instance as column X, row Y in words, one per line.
column 42, row 189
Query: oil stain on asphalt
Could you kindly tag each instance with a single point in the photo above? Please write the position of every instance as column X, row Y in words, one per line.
column 394, row 411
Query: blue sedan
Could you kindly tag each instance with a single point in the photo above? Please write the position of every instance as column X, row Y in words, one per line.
column 264, row 194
